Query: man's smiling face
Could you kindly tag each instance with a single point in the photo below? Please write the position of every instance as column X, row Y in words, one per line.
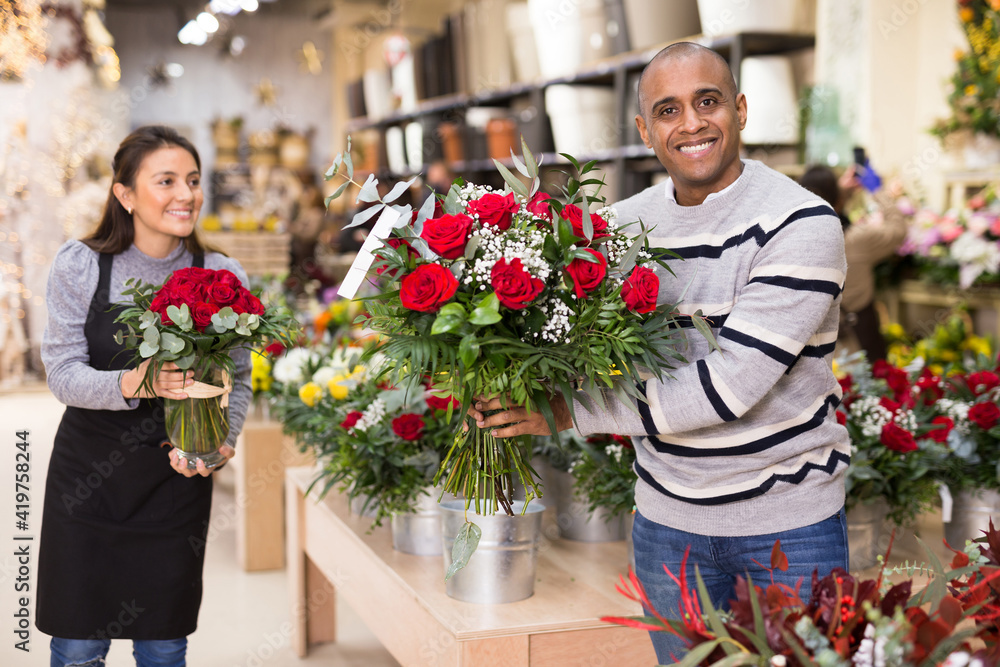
column 691, row 117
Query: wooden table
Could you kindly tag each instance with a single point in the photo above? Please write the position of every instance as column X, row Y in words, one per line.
column 402, row 598
column 262, row 454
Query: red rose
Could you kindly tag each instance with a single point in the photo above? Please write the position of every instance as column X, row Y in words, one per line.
column 539, row 206
column 587, row 275
column 640, row 290
column 984, row 415
column 981, row 382
column 274, row 349
column 889, row 404
column 930, row 387
column 427, row 288
column 898, row 382
column 841, row 417
column 193, row 274
column 396, row 243
column 623, row 441
column 942, row 427
column 202, row 314
column 898, row 439
column 222, row 293
column 247, row 303
column 409, row 426
column 227, row 277
column 880, row 369
column 447, row 235
column 494, row 209
column 436, row 403
column 514, row 286
column 351, row 419
column 846, row 383
column 190, row 293
column 574, row 215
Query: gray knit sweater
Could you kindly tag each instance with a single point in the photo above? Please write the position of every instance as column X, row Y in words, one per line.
column 744, row 441
column 71, row 286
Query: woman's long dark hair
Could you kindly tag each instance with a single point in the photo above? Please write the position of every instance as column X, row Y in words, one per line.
column 116, row 230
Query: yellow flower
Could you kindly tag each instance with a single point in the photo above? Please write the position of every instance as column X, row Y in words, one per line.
column 936, row 369
column 895, row 331
column 978, row 344
column 836, row 369
column 958, row 54
column 337, row 390
column 260, row 373
column 338, row 309
column 970, row 90
column 948, row 355
column 310, row 393
column 966, row 14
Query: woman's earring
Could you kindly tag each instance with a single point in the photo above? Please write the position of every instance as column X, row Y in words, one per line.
column 129, row 209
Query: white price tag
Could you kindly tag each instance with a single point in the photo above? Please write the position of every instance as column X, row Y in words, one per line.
column 359, row 268
column 946, row 503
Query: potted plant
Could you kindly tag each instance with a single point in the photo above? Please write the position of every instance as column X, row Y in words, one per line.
column 891, row 471
column 975, row 95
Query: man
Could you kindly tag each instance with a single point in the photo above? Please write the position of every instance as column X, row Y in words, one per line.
column 741, row 446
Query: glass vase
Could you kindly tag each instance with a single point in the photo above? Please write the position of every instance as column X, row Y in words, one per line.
column 198, row 425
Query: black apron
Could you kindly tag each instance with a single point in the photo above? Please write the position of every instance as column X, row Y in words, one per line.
column 123, row 535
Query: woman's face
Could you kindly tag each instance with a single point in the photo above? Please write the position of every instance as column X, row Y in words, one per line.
column 165, row 201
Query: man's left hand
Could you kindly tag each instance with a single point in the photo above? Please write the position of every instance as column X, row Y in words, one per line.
column 179, row 463
column 515, row 420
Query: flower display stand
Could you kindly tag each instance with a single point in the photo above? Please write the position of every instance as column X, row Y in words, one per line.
column 402, row 598
column 262, row 454
column 916, row 293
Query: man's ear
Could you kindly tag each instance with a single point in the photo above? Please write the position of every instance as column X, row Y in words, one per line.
column 123, row 195
column 640, row 123
column 741, row 109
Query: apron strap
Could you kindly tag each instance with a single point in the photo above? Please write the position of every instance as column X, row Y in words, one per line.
column 199, row 261
column 102, row 297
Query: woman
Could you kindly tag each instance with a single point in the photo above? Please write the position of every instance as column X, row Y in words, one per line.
column 124, row 526
column 865, row 245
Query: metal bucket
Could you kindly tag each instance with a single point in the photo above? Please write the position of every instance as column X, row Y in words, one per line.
column 574, row 518
column 864, row 534
column 503, row 567
column 970, row 516
column 419, row 532
column 629, row 523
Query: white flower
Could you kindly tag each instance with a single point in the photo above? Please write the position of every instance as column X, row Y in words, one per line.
column 290, row 367
column 975, row 255
column 372, row 415
column 614, row 451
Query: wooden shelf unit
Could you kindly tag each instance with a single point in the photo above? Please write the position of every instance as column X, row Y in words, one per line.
column 614, row 72
column 402, row 597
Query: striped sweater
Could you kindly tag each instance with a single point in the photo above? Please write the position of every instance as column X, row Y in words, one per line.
column 742, row 441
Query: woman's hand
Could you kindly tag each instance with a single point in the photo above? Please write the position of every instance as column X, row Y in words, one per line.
column 516, row 420
column 179, row 463
column 168, row 383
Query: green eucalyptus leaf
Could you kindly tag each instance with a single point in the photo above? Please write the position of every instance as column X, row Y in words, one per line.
column 147, row 350
column 225, row 319
column 510, row 179
column 151, row 336
column 171, row 343
column 465, row 545
column 397, row 190
column 149, row 319
column 187, row 361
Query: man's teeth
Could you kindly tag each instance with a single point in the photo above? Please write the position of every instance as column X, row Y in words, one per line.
column 695, row 149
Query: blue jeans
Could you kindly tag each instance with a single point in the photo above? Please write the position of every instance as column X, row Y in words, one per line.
column 821, row 546
column 91, row 652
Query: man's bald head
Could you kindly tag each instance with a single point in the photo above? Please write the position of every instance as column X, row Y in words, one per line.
column 674, row 55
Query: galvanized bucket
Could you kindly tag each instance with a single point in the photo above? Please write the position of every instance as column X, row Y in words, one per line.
column 419, row 532
column 970, row 516
column 574, row 518
column 864, row 534
column 503, row 567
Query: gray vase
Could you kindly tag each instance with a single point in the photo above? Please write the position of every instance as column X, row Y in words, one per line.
column 419, row 532
column 970, row 516
column 864, row 534
column 574, row 518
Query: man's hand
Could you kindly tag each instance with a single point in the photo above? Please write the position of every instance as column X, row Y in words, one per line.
column 515, row 419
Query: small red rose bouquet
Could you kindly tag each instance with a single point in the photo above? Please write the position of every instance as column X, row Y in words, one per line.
column 515, row 294
column 195, row 319
column 383, row 445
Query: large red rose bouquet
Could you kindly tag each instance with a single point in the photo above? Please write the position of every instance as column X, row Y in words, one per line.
column 514, row 293
column 195, row 319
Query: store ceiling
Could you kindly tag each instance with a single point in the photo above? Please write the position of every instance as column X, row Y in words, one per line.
column 311, row 8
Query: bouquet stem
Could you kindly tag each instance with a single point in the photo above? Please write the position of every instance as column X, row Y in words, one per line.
column 483, row 469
